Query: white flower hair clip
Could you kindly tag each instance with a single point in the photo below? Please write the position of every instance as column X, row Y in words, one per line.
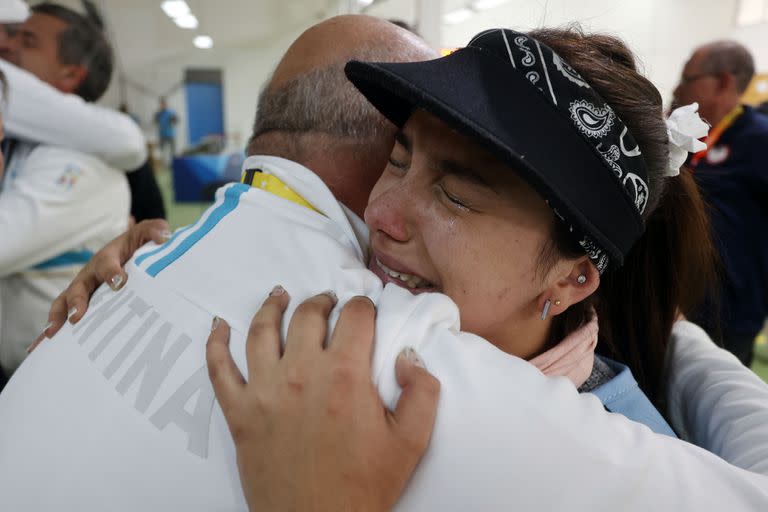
column 684, row 129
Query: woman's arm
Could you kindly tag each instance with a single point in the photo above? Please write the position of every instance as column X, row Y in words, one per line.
column 714, row 401
column 310, row 429
column 38, row 112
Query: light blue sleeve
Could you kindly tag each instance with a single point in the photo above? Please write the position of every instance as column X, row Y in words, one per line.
column 623, row 396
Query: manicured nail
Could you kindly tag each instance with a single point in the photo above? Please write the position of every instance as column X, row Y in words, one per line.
column 166, row 235
column 410, row 355
column 277, row 291
column 72, row 312
column 331, row 295
column 40, row 338
column 115, row 282
column 215, row 323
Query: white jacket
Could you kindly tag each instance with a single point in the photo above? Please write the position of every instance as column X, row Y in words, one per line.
column 117, row 413
column 57, row 208
column 35, row 111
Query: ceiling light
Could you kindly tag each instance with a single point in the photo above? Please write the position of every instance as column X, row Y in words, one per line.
column 186, row 21
column 457, row 16
column 175, row 8
column 203, row 42
column 364, row 3
column 482, row 5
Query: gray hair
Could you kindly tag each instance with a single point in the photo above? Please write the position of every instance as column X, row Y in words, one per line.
column 321, row 101
column 729, row 57
column 324, row 101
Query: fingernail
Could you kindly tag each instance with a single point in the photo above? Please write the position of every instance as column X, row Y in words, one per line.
column 72, row 312
column 166, row 235
column 277, row 291
column 411, row 356
column 115, row 281
column 215, row 323
column 331, row 295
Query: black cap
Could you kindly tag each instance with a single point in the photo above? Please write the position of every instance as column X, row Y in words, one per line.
column 520, row 100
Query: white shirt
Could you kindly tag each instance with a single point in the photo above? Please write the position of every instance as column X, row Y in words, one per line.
column 57, row 207
column 137, row 427
column 35, row 111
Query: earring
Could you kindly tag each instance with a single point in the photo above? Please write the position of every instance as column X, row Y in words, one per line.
column 581, row 279
column 545, row 311
column 557, row 303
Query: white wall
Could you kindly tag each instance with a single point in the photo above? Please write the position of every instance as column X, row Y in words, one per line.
column 755, row 38
column 245, row 72
column 662, row 33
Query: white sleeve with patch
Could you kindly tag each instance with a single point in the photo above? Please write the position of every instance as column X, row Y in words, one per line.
column 59, row 200
column 37, row 112
column 509, row 438
column 716, row 402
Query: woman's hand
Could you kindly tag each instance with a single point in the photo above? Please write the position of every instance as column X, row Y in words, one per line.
column 105, row 266
column 310, row 429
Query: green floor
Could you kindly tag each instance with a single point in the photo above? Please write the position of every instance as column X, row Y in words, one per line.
column 182, row 214
column 179, row 214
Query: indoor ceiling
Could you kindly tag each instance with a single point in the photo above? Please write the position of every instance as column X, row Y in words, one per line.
column 144, row 36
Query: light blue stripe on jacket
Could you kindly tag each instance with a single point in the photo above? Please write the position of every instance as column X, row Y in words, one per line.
column 66, row 259
column 231, row 200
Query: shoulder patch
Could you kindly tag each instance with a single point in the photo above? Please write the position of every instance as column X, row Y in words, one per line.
column 69, row 177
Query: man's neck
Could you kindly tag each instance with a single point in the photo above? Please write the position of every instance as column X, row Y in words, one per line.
column 723, row 110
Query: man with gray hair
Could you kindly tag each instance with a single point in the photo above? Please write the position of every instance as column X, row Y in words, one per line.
column 133, row 404
column 733, row 176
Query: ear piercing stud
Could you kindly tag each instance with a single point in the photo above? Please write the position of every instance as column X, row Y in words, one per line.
column 581, row 279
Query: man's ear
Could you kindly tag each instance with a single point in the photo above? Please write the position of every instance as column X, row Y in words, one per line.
column 70, row 77
column 578, row 280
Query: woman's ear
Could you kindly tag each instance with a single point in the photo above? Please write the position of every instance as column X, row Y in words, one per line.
column 578, row 280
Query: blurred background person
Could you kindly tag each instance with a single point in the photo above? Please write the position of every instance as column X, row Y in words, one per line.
column 57, row 205
column 166, row 120
column 733, row 176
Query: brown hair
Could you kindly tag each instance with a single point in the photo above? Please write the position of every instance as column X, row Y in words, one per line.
column 673, row 264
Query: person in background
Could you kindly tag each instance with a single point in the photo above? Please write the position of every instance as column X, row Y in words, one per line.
column 256, row 260
column 166, row 120
column 732, row 173
column 58, row 205
column 34, row 111
column 146, row 199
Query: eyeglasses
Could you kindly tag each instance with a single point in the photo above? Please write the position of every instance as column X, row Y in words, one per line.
column 692, row 78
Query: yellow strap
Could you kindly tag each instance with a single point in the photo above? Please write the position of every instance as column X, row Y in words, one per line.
column 717, row 131
column 274, row 185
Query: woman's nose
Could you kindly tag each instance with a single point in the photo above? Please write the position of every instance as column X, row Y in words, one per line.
column 388, row 213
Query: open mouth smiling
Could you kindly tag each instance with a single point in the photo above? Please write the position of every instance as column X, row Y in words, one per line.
column 412, row 282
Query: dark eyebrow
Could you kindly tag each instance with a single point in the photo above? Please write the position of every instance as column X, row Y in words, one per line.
column 28, row 34
column 402, row 139
column 464, row 172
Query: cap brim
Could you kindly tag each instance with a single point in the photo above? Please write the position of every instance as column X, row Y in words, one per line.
column 472, row 92
column 13, row 11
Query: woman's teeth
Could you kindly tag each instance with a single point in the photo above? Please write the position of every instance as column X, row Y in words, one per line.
column 410, row 281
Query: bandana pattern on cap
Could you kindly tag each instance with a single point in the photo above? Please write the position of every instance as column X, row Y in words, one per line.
column 591, row 116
